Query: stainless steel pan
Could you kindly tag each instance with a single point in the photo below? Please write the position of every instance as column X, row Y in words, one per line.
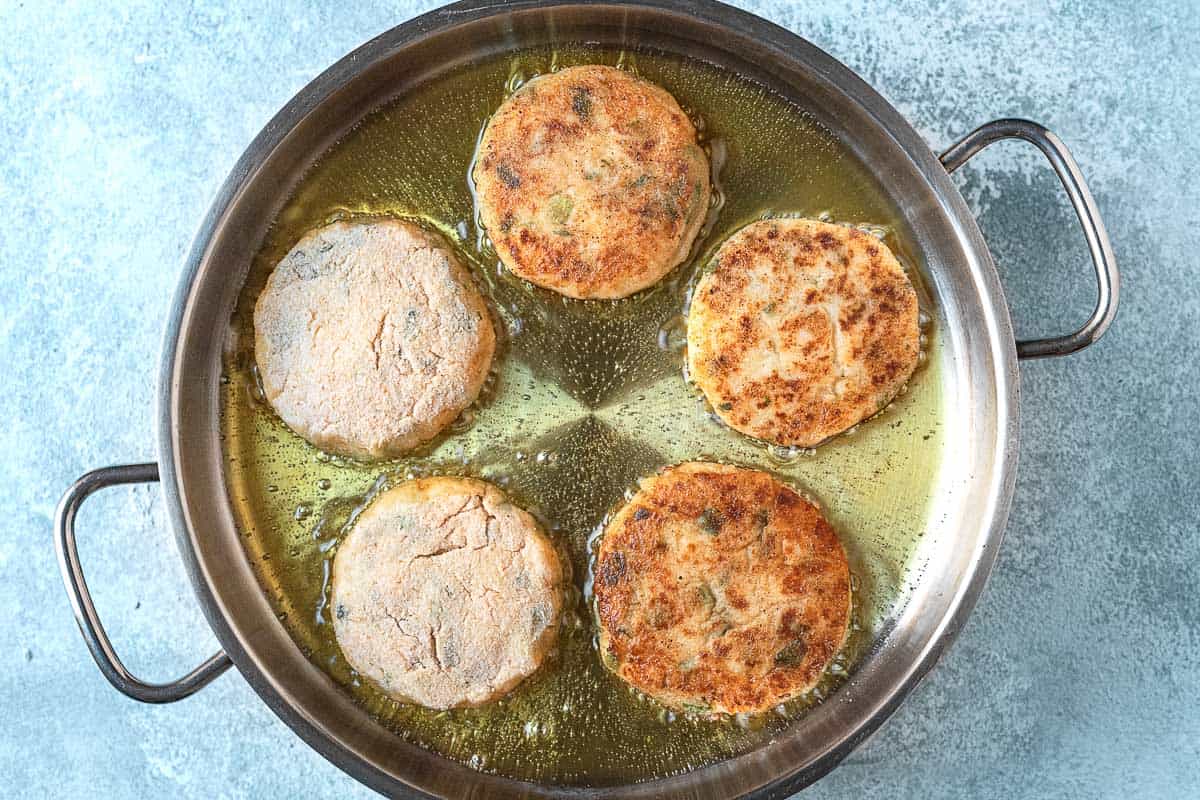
column 980, row 370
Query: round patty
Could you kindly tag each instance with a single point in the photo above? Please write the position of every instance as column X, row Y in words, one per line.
column 720, row 590
column 445, row 594
column 591, row 183
column 370, row 338
column 802, row 330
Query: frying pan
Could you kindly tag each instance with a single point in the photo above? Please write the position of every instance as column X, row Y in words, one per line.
column 980, row 372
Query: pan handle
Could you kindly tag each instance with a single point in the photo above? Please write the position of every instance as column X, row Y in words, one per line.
column 81, row 599
column 1107, row 278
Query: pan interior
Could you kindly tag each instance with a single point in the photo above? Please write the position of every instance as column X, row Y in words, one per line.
column 585, row 398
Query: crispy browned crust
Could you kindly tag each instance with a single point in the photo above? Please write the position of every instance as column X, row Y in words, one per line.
column 719, row 589
column 802, row 330
column 591, row 182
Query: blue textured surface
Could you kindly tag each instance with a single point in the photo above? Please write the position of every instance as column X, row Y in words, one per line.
column 1078, row 675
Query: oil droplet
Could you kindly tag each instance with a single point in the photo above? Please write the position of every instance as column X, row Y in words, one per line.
column 257, row 393
column 324, row 484
column 784, row 454
column 672, row 336
column 302, row 512
column 514, row 82
column 465, row 420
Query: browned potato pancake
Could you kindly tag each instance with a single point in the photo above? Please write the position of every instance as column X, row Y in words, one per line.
column 591, row 183
column 720, row 590
column 370, row 338
column 445, row 593
column 802, row 330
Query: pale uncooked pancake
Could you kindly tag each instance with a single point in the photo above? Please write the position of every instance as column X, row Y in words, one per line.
column 370, row 338
column 445, row 594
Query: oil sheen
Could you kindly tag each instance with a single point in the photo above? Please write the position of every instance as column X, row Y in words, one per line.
column 585, row 398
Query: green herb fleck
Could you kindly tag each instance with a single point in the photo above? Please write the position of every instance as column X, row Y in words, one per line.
column 612, row 570
column 538, row 619
column 610, row 661
column 559, row 208
column 710, row 521
column 762, row 517
column 581, row 102
column 792, row 654
column 694, row 203
column 510, row 178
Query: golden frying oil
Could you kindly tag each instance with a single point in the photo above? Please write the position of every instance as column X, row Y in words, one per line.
column 585, row 398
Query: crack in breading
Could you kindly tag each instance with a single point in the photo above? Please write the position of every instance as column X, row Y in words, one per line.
column 433, row 648
column 396, row 621
column 833, row 311
column 470, row 504
column 461, row 510
column 420, row 288
column 376, row 340
column 407, row 358
column 487, row 529
column 438, row 551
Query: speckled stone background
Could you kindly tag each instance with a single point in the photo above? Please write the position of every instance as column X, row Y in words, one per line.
column 1077, row 676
